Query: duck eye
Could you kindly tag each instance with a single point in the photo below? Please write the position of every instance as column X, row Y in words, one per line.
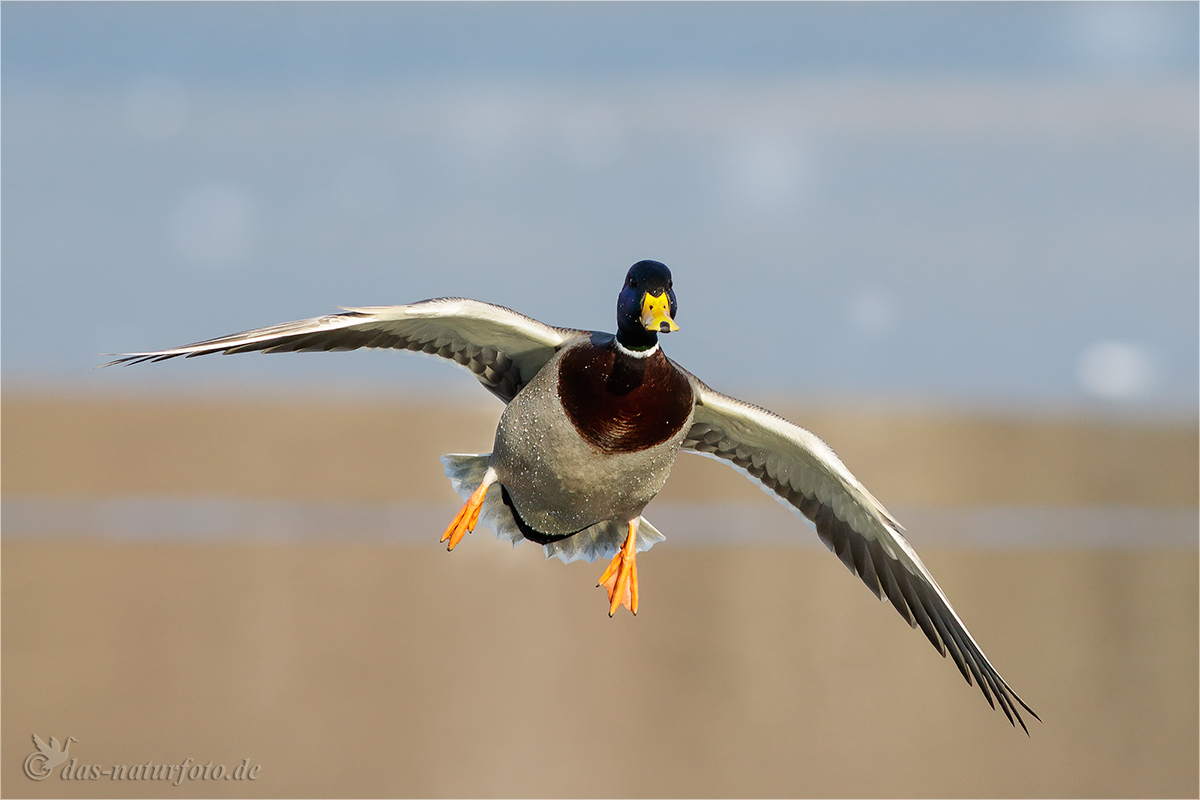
column 632, row 283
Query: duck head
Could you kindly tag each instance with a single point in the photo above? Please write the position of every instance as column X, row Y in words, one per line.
column 646, row 306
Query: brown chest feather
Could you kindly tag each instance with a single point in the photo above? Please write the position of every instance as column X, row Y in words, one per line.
column 619, row 403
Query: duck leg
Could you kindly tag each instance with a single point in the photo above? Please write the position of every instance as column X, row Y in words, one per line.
column 465, row 520
column 620, row 579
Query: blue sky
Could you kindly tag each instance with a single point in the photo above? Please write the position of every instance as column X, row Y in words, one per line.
column 305, row 42
column 951, row 202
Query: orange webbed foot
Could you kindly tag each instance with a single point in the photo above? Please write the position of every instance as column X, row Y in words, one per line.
column 620, row 579
column 468, row 516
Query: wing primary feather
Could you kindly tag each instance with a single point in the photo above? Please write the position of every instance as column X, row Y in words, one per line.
column 935, row 615
column 871, row 578
column 862, row 560
column 894, row 594
column 808, row 507
column 919, row 612
column 987, row 676
column 813, row 513
column 973, row 664
column 827, row 521
column 985, row 683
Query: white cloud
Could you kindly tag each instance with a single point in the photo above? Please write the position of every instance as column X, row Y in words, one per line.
column 871, row 313
column 766, row 173
column 1113, row 370
column 1120, row 35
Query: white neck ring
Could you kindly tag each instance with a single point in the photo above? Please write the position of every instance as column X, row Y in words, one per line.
column 635, row 353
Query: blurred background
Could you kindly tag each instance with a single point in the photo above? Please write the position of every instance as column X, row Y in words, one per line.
column 958, row 241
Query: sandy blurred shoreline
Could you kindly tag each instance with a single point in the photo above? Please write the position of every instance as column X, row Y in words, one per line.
column 360, row 668
column 362, row 450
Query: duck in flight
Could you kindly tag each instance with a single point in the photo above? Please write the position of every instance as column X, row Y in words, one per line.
column 592, row 425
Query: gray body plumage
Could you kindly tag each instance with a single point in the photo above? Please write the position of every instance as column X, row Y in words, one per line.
column 561, row 483
column 601, row 540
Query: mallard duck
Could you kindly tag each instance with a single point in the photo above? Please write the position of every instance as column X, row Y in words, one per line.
column 592, row 425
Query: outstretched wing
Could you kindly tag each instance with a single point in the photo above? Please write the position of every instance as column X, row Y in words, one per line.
column 42, row 747
column 502, row 348
column 792, row 463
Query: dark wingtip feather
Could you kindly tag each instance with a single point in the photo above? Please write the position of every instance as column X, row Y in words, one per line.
column 1024, row 705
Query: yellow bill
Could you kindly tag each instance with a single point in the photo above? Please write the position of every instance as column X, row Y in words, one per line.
column 656, row 313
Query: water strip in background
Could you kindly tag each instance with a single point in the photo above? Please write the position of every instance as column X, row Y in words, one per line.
column 210, row 519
